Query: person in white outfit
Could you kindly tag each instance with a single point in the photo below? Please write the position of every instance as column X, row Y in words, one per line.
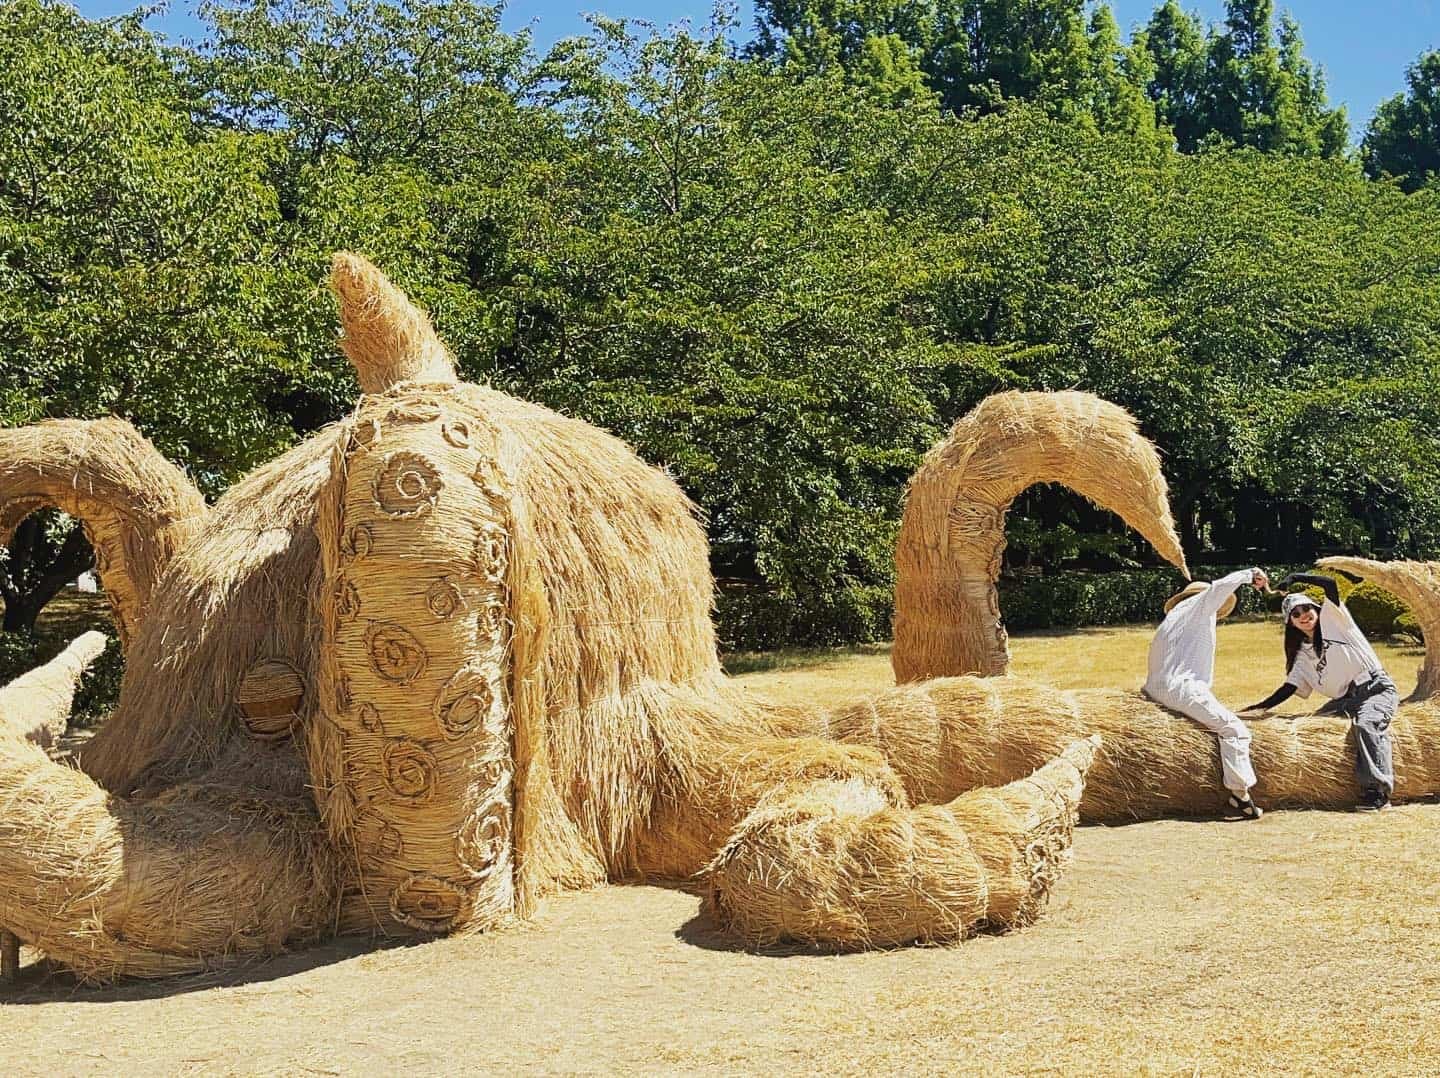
column 1182, row 669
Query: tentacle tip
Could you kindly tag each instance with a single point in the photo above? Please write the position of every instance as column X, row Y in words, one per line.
column 386, row 337
column 1081, row 753
column 89, row 645
column 353, row 276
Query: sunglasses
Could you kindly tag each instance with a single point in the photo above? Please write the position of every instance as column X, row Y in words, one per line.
column 1301, row 610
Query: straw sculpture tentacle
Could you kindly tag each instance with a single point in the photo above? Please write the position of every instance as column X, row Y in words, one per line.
column 847, row 862
column 1417, row 585
column 387, row 338
column 952, row 533
column 138, row 509
column 226, row 869
column 36, row 706
column 949, row 735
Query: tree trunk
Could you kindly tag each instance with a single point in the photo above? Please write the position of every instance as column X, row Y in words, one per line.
column 37, row 570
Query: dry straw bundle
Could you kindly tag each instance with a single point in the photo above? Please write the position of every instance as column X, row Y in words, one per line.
column 138, row 509
column 455, row 652
column 1417, row 585
column 952, row 535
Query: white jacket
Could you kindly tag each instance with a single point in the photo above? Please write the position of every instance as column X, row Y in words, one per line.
column 1184, row 645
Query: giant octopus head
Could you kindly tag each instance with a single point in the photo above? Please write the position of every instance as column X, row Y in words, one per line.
column 408, row 625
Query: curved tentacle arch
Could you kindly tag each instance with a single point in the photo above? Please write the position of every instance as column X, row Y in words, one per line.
column 952, row 534
column 1417, row 585
column 137, row 508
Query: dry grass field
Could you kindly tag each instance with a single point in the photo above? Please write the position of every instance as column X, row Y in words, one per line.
column 1306, row 943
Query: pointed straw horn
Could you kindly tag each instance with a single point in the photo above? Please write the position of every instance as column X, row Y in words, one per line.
column 387, row 338
column 36, row 705
column 952, row 534
column 1417, row 585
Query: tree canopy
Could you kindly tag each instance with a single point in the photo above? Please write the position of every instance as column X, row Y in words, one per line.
column 1403, row 139
column 779, row 270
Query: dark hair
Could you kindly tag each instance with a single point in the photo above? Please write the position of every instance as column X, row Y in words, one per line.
column 1294, row 638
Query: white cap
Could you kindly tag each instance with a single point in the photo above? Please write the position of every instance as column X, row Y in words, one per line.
column 1296, row 599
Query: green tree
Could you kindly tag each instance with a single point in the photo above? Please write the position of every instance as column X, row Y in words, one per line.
column 1175, row 40
column 714, row 274
column 1403, row 138
column 1119, row 74
column 133, row 255
column 1248, row 84
column 973, row 53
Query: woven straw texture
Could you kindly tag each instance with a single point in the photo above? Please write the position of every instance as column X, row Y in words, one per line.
column 952, row 533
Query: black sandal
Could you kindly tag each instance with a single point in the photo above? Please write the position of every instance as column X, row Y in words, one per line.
column 1245, row 808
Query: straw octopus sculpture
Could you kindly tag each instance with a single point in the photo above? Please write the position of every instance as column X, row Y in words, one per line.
column 454, row 653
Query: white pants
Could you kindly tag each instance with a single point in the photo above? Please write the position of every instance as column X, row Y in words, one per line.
column 1195, row 700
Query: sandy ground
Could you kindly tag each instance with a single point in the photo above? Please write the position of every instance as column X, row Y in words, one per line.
column 1305, row 943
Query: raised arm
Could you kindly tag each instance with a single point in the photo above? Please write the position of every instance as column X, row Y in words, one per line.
column 1213, row 598
column 1320, row 580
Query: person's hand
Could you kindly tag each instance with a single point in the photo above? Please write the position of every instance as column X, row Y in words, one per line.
column 1260, row 580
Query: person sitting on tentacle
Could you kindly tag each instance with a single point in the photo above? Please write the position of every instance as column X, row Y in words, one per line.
column 1182, row 668
column 1325, row 650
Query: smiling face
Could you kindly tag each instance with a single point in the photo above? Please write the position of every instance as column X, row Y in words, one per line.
column 1304, row 618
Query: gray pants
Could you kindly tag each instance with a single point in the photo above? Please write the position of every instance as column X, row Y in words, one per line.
column 1371, row 705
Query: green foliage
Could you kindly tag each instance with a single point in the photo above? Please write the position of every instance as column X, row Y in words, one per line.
column 18, row 655
column 748, row 618
column 1407, row 625
column 1403, row 139
column 1067, row 600
column 1249, row 84
column 780, row 276
column 99, row 689
column 1246, row 84
column 973, row 53
column 1070, row 599
column 1375, row 610
column 132, row 247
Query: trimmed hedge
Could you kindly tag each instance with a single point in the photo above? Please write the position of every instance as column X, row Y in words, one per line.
column 1376, row 610
column 1407, row 625
column 752, row 618
column 1072, row 599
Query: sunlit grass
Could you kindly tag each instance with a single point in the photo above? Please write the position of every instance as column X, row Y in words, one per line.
column 1249, row 663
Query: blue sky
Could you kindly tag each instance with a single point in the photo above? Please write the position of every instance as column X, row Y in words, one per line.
column 1363, row 45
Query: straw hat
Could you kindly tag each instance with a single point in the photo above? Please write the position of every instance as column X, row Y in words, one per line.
column 1195, row 587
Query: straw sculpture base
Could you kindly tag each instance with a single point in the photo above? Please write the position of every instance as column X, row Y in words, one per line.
column 454, row 653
